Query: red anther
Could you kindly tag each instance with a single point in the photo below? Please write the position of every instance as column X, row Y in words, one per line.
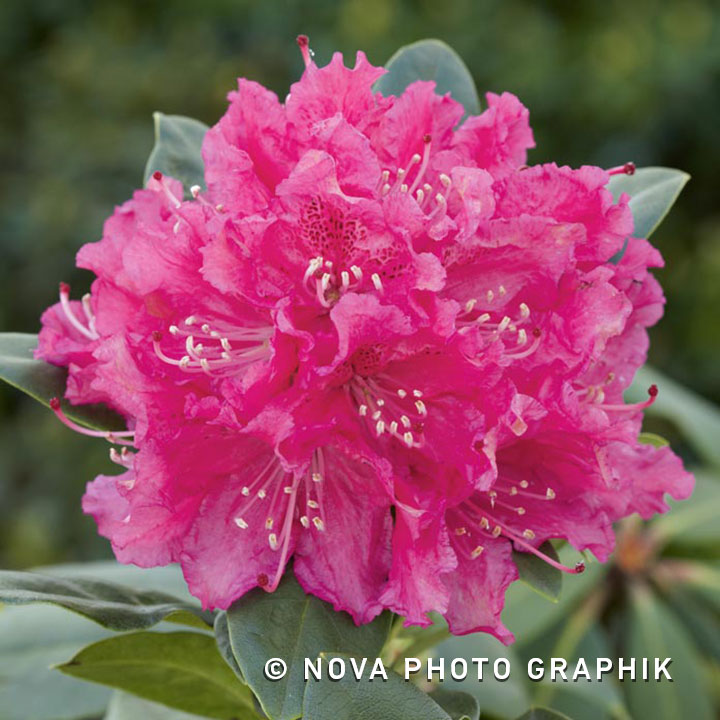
column 653, row 391
column 629, row 168
column 54, row 404
column 304, row 44
column 157, row 335
column 157, row 175
column 427, row 138
column 262, row 580
column 536, row 332
column 64, row 288
column 580, row 567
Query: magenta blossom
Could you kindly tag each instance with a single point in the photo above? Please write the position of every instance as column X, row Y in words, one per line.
column 379, row 345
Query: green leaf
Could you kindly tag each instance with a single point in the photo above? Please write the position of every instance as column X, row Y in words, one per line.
column 430, row 60
column 496, row 697
column 290, row 625
column 124, row 706
column 177, row 152
column 519, row 597
column 544, row 579
column 654, row 632
column 31, row 639
column 365, row 699
column 648, row 438
column 168, row 579
column 576, row 635
column 653, row 191
column 458, row 705
column 182, row 670
column 222, row 638
column 43, row 382
column 697, row 419
column 113, row 606
column 538, row 713
column 698, row 617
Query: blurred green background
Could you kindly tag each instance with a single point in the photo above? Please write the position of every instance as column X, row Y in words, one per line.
column 605, row 83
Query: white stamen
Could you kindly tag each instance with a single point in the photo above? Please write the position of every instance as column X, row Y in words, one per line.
column 318, row 523
column 272, row 539
column 241, row 523
column 377, row 282
column 408, row 438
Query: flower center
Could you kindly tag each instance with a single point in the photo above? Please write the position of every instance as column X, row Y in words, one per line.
column 492, row 514
column 287, row 498
column 219, row 349
column 425, row 195
column 515, row 330
column 385, row 407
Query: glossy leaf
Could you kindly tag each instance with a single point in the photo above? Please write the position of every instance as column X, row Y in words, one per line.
column 654, row 632
column 653, row 191
column 430, row 60
column 124, row 706
column 458, row 705
column 42, row 381
column 113, row 606
column 544, row 579
column 222, row 638
column 182, row 670
column 351, row 699
column 177, row 151
column 697, row 419
column 32, row 638
column 290, row 625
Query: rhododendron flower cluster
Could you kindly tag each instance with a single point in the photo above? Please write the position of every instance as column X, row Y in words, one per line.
column 378, row 345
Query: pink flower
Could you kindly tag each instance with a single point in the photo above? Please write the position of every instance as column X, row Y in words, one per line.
column 379, row 346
